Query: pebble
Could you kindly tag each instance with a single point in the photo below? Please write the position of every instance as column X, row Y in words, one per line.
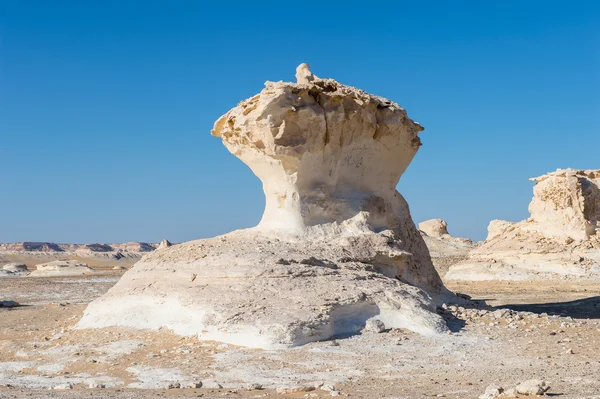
column 63, row 387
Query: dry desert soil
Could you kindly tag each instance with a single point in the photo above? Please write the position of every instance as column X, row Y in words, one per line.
column 548, row 331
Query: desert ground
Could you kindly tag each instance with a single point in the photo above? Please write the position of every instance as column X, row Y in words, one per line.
column 548, row 331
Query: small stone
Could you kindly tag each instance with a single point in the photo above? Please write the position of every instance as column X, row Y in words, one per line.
column 296, row 389
column 194, row 384
column 63, row 387
column 374, row 325
column 96, row 385
column 492, row 392
column 254, row 387
column 173, row 385
column 532, row 387
column 211, row 384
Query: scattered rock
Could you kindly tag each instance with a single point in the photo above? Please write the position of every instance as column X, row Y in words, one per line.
column 96, row 385
column 532, row 387
column 63, row 387
column 492, row 392
column 211, row 384
column 374, row 325
column 295, row 389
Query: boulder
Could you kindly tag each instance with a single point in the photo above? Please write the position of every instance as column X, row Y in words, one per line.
column 335, row 247
column 532, row 387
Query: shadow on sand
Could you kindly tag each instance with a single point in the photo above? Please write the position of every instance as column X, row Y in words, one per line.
column 587, row 308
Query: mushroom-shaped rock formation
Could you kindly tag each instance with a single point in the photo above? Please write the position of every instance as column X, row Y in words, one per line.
column 560, row 239
column 336, row 245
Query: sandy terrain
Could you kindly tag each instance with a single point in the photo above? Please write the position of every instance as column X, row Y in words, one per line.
column 551, row 338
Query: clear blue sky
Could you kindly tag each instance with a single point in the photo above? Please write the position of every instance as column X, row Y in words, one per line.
column 106, row 106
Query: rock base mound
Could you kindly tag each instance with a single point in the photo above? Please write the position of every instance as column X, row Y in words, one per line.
column 253, row 289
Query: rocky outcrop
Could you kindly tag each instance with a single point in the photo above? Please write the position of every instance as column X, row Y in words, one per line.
column 14, row 269
column 444, row 249
column 164, row 244
column 559, row 240
column 61, row 268
column 335, row 247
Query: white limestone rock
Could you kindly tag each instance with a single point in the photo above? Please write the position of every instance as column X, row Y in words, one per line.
column 61, row 268
column 163, row 244
column 444, row 249
column 335, row 246
column 532, row 387
column 437, row 228
column 559, row 240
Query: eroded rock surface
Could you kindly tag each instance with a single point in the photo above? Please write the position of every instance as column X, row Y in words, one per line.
column 335, row 247
column 559, row 240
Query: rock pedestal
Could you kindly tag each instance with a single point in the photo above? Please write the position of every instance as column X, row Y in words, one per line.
column 335, row 247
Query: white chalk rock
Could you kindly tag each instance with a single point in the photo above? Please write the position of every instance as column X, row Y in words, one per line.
column 532, row 387
column 559, row 240
column 61, row 268
column 434, row 228
column 335, row 246
column 164, row 244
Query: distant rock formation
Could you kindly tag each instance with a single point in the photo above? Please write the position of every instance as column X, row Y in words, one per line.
column 164, row 244
column 34, row 253
column 559, row 240
column 335, row 247
column 437, row 228
column 444, row 249
column 53, row 247
column 61, row 268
